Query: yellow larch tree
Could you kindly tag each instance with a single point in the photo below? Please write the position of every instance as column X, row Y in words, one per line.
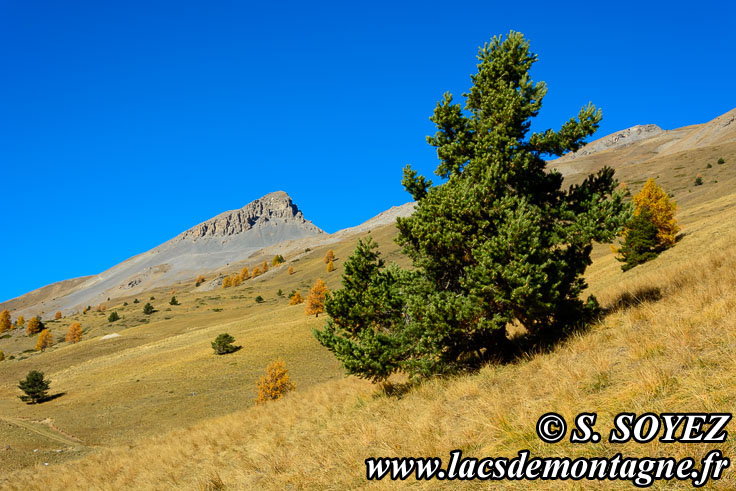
column 662, row 210
column 330, row 267
column 235, row 280
column 21, row 320
column 5, row 323
column 316, row 299
column 256, row 272
column 291, row 270
column 227, row 282
column 275, row 383
column 45, row 340
column 33, row 326
column 329, row 256
column 57, row 315
column 264, row 266
column 74, row 334
column 244, row 274
column 296, row 299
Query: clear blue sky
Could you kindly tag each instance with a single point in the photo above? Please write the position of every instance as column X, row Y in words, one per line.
column 125, row 123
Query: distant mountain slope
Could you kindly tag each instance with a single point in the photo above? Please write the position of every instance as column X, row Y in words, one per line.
column 40, row 295
column 643, row 143
column 274, row 225
column 229, row 237
column 267, row 226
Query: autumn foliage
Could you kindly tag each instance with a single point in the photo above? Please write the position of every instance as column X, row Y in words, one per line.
column 5, row 323
column 244, row 274
column 316, row 299
column 34, row 325
column 235, row 280
column 291, row 270
column 199, row 281
column 329, row 256
column 45, row 340
column 21, row 320
column 296, row 299
column 277, row 259
column 662, row 210
column 57, row 315
column 651, row 230
column 264, row 266
column 74, row 334
column 330, row 267
column 227, row 282
column 275, row 383
column 256, row 272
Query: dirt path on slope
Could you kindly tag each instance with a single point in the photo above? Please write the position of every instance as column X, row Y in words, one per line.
column 45, row 429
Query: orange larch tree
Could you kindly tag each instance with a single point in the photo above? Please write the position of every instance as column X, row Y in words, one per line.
column 316, row 299
column 296, row 299
column 74, row 334
column 5, row 323
column 329, row 256
column 227, row 282
column 45, row 340
column 244, row 274
column 33, row 326
column 57, row 315
column 291, row 270
column 235, row 280
column 275, row 383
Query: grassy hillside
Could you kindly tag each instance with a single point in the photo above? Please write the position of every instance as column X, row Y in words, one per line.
column 672, row 327
column 154, row 408
column 161, row 373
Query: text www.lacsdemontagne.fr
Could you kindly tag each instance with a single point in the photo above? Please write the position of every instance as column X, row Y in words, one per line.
column 640, row 471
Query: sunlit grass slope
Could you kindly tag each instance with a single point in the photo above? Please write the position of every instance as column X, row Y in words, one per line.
column 161, row 373
column 668, row 344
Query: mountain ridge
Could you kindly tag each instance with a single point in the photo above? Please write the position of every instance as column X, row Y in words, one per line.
column 227, row 237
column 271, row 224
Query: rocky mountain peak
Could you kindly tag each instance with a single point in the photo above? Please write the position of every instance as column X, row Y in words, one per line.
column 619, row 139
column 276, row 207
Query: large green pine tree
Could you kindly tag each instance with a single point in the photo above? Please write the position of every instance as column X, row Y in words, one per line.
column 500, row 241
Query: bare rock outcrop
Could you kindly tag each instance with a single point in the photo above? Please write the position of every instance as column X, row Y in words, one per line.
column 276, row 206
column 616, row 140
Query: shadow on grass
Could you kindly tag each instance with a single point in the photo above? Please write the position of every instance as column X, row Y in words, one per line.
column 542, row 341
column 628, row 299
column 230, row 349
column 547, row 340
column 45, row 399
column 53, row 396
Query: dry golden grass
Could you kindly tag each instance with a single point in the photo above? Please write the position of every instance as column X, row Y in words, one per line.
column 667, row 345
column 161, row 373
column 155, row 409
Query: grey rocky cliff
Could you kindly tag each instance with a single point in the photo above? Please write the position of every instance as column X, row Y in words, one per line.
column 274, row 207
column 616, row 140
